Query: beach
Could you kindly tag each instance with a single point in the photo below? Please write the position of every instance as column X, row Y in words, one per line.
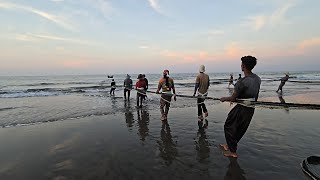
column 94, row 136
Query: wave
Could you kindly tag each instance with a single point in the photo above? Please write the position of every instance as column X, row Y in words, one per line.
column 14, row 124
column 7, row 108
column 53, row 84
column 96, row 88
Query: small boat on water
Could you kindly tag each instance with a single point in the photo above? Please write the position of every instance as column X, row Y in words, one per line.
column 110, row 76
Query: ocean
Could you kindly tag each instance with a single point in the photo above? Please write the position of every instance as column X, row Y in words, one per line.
column 69, row 127
column 39, row 99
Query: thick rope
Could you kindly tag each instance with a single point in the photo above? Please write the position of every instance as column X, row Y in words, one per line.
column 252, row 103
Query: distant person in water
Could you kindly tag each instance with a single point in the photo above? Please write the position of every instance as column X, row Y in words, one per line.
column 283, row 82
column 140, row 87
column 239, row 77
column 113, row 87
column 127, row 87
column 147, row 84
column 166, row 84
column 240, row 116
column 202, row 86
column 230, row 80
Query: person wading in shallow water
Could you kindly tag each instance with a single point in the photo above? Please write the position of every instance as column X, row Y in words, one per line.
column 202, row 86
column 166, row 84
column 127, row 83
column 113, row 87
column 140, row 87
column 283, row 82
column 240, row 116
column 230, row 80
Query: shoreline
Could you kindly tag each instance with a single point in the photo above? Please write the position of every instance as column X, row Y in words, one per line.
column 120, row 143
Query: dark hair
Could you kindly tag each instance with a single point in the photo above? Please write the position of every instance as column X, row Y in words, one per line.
column 249, row 62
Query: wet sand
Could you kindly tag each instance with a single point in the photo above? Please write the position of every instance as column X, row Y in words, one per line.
column 135, row 144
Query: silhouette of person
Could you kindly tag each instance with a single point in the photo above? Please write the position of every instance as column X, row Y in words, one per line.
column 128, row 115
column 234, row 171
column 286, row 108
column 167, row 147
column 143, row 122
column 202, row 146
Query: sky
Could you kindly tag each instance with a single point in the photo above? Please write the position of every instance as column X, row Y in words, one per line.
column 44, row 37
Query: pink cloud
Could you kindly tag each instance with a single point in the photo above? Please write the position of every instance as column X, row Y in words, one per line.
column 309, row 43
column 231, row 51
column 79, row 64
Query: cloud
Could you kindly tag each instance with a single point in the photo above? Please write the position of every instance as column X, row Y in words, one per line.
column 41, row 37
column 23, row 37
column 186, row 57
column 309, row 43
column 55, row 19
column 155, row 5
column 216, row 32
column 233, row 50
column 257, row 22
column 75, row 64
column 103, row 6
column 144, row 47
column 56, row 0
column 277, row 17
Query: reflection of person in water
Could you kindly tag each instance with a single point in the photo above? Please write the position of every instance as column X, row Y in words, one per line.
column 143, row 122
column 202, row 146
column 234, row 171
column 128, row 114
column 286, row 108
column 167, row 148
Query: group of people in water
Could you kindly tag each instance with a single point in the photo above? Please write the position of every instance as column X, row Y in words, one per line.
column 239, row 117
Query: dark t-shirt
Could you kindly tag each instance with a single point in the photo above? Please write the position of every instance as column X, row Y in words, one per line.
column 248, row 87
column 128, row 83
column 284, row 79
column 147, row 83
column 113, row 84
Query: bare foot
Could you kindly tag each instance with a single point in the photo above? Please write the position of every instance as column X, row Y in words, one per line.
column 230, row 154
column 225, row 147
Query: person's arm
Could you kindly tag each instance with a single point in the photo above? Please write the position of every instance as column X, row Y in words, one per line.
column 147, row 84
column 174, row 91
column 196, row 87
column 237, row 91
column 174, row 94
column 231, row 98
column 130, row 84
column 137, row 85
column 159, row 87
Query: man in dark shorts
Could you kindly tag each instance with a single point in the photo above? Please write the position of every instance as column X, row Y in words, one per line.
column 140, row 87
column 127, row 87
column 166, row 84
column 113, row 87
column 283, row 82
column 202, row 86
column 240, row 116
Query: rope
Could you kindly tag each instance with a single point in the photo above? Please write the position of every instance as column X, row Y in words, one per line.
column 252, row 103
column 180, row 95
